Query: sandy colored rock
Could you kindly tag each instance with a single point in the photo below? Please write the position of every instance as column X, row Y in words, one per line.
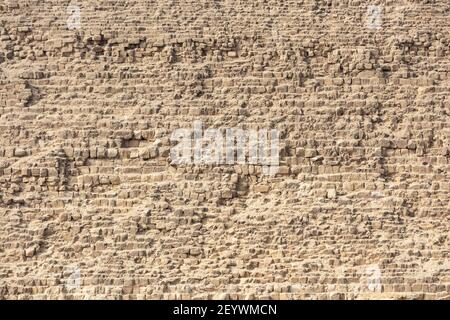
column 92, row 207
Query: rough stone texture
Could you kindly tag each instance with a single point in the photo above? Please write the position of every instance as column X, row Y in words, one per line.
column 85, row 177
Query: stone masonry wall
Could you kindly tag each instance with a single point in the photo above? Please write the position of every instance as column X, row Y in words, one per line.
column 92, row 207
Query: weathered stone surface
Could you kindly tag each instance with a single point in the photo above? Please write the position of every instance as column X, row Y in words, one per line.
column 91, row 206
